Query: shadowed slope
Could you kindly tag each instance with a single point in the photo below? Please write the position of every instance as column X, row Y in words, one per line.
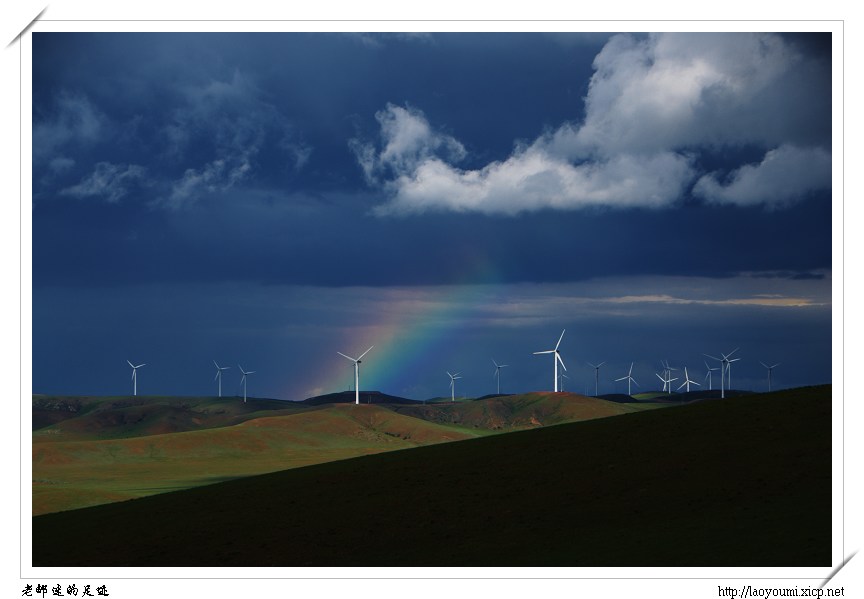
column 740, row 482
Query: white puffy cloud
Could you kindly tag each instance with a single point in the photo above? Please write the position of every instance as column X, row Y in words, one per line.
column 534, row 180
column 408, row 142
column 109, row 181
column 653, row 104
column 785, row 175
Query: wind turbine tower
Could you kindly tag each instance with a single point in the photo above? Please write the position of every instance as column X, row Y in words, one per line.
column 243, row 380
column 135, row 376
column 219, row 370
column 729, row 368
column 596, row 375
column 687, row 381
column 667, row 380
column 497, row 373
column 770, row 368
column 708, row 376
column 556, row 360
column 356, row 372
column 629, row 378
column 724, row 366
column 453, row 378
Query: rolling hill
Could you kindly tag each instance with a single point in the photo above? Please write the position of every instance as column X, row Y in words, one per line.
column 90, row 471
column 88, row 451
column 740, row 482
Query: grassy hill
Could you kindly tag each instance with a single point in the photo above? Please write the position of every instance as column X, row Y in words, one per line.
column 89, row 471
column 738, row 482
column 513, row 412
column 67, row 418
column 88, row 451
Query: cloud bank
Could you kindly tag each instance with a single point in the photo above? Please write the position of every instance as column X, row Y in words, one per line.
column 655, row 106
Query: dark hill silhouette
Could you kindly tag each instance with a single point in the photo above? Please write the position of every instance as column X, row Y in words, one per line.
column 744, row 482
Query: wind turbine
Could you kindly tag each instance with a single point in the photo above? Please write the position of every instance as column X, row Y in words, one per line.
column 556, row 360
column 729, row 368
column 596, row 375
column 561, row 377
column 629, row 378
column 497, row 373
column 356, row 372
column 708, row 376
column 219, row 370
column 135, row 376
column 667, row 380
column 453, row 378
column 687, row 381
column 770, row 368
column 243, row 380
column 724, row 365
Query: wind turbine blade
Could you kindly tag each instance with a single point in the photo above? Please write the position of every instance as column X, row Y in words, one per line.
column 215, row 364
column 659, row 377
column 558, row 356
column 600, row 364
column 621, row 379
column 631, row 369
column 559, row 339
column 548, row 351
column 634, row 382
column 695, row 383
column 776, row 365
column 682, row 384
column 217, row 375
column 251, row 372
column 732, row 352
column 130, row 363
column 713, row 358
column 364, row 353
column 344, row 356
column 496, row 363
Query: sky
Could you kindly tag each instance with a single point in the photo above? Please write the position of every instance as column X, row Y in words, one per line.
column 267, row 200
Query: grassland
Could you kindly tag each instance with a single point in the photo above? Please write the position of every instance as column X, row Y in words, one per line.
column 87, row 470
column 739, row 482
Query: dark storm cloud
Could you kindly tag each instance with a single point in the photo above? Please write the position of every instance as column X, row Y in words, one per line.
column 166, row 157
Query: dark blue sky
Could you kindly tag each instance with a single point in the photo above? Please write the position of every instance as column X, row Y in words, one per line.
column 271, row 199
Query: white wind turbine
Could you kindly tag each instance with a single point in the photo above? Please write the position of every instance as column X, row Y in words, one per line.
column 356, row 372
column 497, row 373
column 453, row 378
column 724, row 366
column 770, row 368
column 667, row 380
column 596, row 375
column 556, row 360
column 667, row 372
column 243, row 380
column 629, row 378
column 687, row 381
column 729, row 368
column 708, row 376
column 561, row 377
column 219, row 370
column 135, row 376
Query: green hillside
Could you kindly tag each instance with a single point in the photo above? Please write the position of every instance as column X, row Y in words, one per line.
column 73, row 474
column 739, row 482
